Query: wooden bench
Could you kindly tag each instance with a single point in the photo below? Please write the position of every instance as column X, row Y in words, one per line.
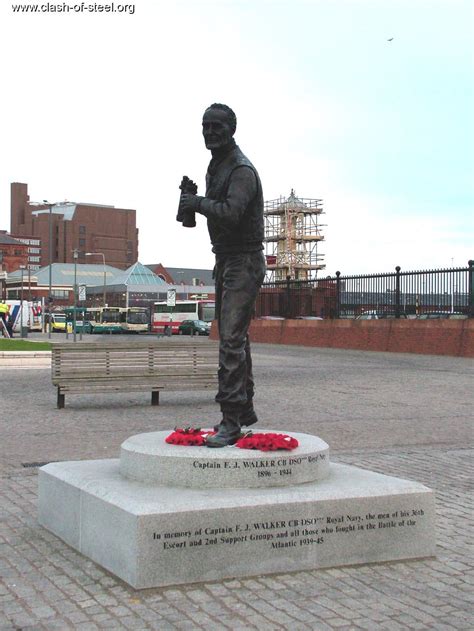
column 130, row 366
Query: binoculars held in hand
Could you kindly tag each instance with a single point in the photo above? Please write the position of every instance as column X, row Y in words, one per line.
column 187, row 217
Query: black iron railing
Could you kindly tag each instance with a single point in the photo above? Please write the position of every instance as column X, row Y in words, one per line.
column 398, row 294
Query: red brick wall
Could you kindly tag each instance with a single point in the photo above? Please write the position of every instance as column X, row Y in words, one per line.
column 13, row 255
column 432, row 337
column 108, row 230
column 159, row 270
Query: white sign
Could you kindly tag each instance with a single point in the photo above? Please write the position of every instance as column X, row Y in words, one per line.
column 82, row 292
column 171, row 298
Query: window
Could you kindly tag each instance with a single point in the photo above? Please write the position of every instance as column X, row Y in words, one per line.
column 111, row 316
column 137, row 317
column 34, row 250
column 1, row 255
column 59, row 293
column 82, row 230
column 34, row 259
column 82, row 243
column 186, row 308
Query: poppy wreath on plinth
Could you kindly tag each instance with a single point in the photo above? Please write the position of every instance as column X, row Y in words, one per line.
column 188, row 436
column 196, row 437
column 267, row 442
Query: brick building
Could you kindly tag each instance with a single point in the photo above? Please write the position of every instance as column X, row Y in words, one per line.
column 13, row 253
column 88, row 227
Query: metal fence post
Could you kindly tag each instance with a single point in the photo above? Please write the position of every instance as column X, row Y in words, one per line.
column 338, row 295
column 397, row 292
column 288, row 313
column 470, row 289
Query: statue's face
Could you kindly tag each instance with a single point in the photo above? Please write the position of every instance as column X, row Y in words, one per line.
column 216, row 129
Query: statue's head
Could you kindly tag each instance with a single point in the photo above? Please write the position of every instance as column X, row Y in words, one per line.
column 218, row 126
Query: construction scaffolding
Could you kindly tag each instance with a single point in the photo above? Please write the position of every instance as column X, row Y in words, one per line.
column 292, row 236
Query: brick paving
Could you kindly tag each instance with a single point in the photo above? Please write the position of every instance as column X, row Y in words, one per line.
column 399, row 414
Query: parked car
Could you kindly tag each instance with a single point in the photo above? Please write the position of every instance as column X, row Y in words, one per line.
column 58, row 322
column 194, row 327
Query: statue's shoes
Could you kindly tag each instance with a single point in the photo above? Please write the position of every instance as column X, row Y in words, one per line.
column 222, row 439
column 246, row 420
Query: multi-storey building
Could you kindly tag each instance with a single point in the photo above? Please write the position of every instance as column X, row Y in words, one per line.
column 108, row 232
column 34, row 251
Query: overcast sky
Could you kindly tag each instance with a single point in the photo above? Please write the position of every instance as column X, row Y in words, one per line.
column 107, row 107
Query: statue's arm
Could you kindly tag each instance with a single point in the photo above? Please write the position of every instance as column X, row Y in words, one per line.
column 242, row 189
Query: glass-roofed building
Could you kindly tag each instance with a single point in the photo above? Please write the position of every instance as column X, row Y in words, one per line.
column 137, row 286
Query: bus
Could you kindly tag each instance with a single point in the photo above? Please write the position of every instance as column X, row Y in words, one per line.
column 165, row 317
column 137, row 320
column 119, row 320
column 84, row 318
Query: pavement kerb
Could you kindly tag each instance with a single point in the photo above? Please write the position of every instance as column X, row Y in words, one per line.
column 24, row 354
column 25, row 359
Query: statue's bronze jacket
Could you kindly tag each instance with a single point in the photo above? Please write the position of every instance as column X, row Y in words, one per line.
column 233, row 204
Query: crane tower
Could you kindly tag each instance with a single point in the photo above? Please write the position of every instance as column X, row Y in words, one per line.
column 292, row 236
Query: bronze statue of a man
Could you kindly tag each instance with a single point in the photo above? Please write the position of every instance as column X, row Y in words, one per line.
column 233, row 206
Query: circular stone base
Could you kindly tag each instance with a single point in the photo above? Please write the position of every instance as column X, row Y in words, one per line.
column 148, row 458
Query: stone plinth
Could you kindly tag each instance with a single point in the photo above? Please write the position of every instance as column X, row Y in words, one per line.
column 151, row 535
column 148, row 458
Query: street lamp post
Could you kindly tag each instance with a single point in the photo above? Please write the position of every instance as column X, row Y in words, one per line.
column 75, row 254
column 103, row 261
column 22, row 269
column 50, row 298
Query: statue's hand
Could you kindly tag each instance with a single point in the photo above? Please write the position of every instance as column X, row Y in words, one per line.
column 189, row 203
column 191, row 187
column 188, row 186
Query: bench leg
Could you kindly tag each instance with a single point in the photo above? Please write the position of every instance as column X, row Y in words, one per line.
column 155, row 397
column 61, row 398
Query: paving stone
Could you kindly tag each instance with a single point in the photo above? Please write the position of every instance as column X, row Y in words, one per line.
column 336, row 623
column 420, row 431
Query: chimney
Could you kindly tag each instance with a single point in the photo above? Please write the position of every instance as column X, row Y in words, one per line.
column 19, row 200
